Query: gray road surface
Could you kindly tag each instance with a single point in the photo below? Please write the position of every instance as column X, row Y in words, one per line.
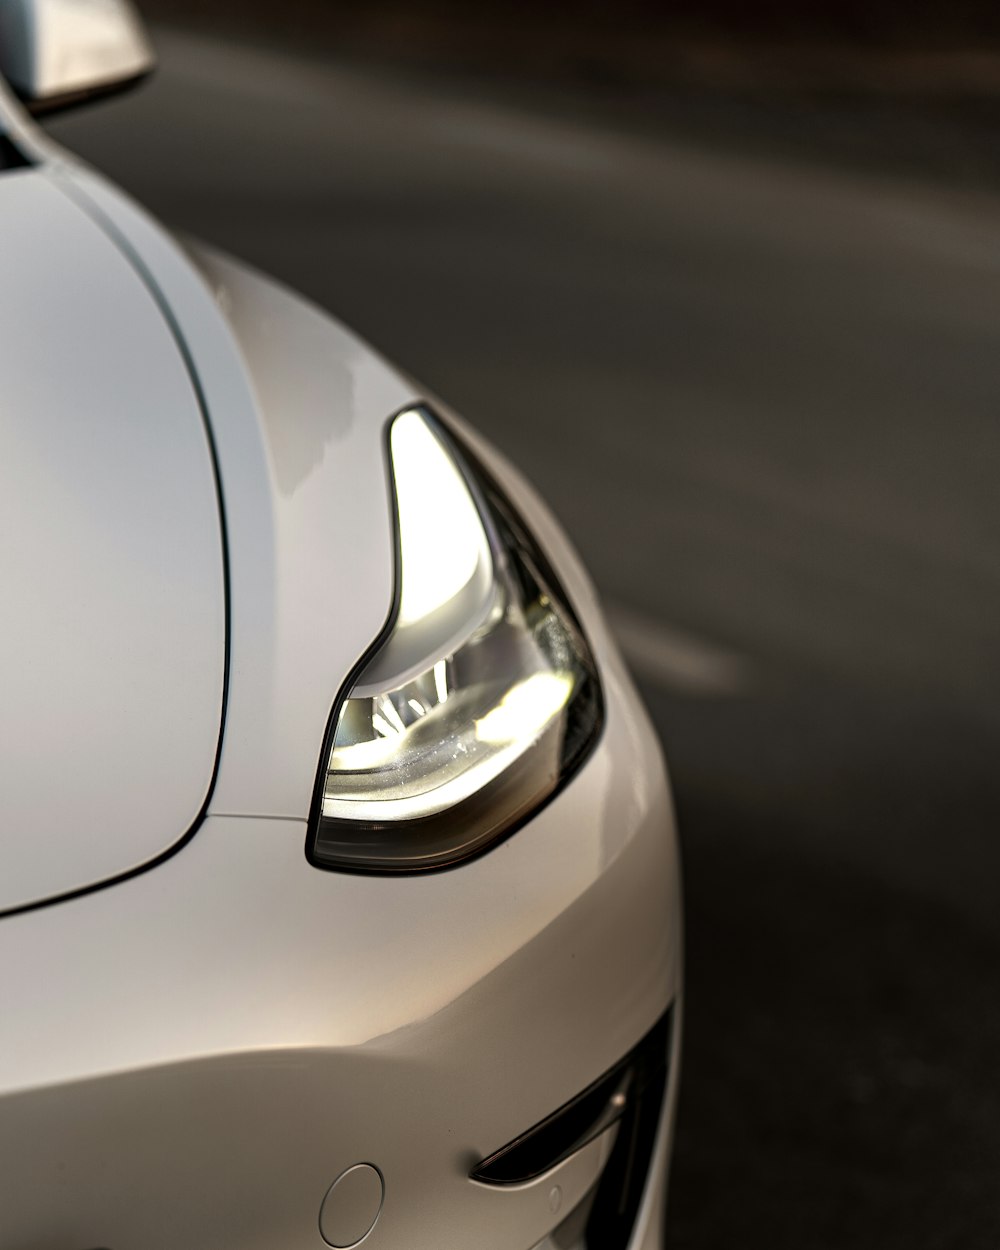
column 763, row 396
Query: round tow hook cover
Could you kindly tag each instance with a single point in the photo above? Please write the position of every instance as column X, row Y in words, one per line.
column 352, row 1206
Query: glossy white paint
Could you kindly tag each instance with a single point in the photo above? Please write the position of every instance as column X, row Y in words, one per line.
column 294, row 1022
column 192, row 1056
column 111, row 561
column 299, row 407
column 324, row 400
column 51, row 49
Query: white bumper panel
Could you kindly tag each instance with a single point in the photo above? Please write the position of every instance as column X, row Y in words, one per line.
column 190, row 1058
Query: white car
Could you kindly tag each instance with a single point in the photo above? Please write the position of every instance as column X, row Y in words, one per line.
column 338, row 876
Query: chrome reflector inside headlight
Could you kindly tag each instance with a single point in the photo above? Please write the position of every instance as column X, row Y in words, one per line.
column 483, row 696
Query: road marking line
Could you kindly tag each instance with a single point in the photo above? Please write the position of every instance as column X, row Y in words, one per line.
column 671, row 659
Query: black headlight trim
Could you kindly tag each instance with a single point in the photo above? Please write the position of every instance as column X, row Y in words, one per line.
column 585, row 713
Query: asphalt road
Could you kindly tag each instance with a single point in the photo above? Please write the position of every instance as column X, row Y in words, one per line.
column 763, row 396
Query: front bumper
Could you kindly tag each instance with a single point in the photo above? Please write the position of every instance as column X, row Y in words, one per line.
column 190, row 1057
column 625, row 1207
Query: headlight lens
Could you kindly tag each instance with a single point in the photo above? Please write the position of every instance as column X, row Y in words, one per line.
column 482, row 698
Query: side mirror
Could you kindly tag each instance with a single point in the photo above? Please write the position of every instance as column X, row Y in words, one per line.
column 56, row 53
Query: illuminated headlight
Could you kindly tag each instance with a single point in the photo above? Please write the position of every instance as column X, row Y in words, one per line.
column 481, row 699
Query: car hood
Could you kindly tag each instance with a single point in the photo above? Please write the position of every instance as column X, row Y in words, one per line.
column 112, row 665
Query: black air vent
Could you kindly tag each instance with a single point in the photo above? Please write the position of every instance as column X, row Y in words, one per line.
column 636, row 1082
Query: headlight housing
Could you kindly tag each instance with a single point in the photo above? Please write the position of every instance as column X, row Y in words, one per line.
column 481, row 697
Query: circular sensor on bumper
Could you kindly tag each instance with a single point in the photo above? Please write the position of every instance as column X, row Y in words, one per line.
column 352, row 1206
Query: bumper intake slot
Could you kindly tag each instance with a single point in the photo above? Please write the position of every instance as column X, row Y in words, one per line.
column 630, row 1094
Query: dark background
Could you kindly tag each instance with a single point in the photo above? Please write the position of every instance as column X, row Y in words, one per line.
column 724, row 280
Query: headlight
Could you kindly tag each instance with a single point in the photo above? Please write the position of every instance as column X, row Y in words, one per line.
column 482, row 697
